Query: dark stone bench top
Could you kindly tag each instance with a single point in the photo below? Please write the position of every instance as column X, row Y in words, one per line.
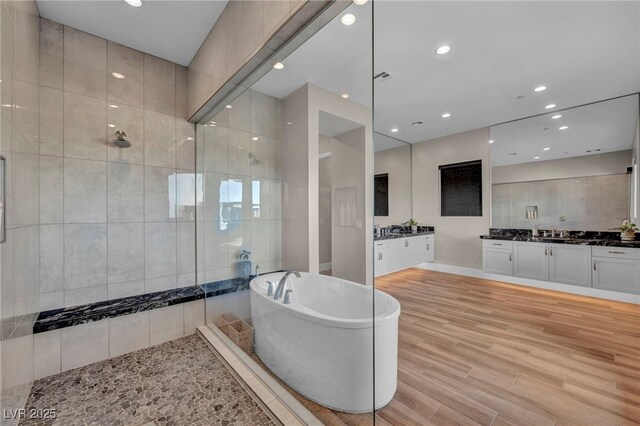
column 82, row 314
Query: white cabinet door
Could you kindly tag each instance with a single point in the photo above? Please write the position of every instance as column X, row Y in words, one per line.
column 497, row 261
column 616, row 274
column 569, row 264
column 397, row 254
column 531, row 260
column 430, row 249
column 381, row 261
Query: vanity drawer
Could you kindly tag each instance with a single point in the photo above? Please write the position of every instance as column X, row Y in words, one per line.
column 497, row 244
column 617, row 252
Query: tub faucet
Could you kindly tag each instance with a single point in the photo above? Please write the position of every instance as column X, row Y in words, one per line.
column 282, row 282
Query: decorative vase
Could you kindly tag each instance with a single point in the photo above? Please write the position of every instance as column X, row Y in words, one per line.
column 414, row 228
column 628, row 235
column 243, row 268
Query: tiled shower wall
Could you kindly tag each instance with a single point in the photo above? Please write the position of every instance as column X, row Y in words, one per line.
column 593, row 203
column 19, row 144
column 114, row 222
column 239, row 172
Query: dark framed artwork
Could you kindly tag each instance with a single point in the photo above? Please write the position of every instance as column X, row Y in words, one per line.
column 461, row 189
column 381, row 196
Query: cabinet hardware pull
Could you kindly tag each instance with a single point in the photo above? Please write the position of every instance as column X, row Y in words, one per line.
column 594, row 266
column 510, row 260
column 616, row 252
column 496, row 244
column 381, row 255
column 428, row 247
column 551, row 251
column 546, row 251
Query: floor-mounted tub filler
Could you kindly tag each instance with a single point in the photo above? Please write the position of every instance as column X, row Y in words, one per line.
column 321, row 342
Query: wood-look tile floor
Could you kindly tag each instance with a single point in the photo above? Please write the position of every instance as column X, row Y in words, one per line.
column 473, row 351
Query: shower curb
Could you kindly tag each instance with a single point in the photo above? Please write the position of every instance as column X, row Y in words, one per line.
column 277, row 400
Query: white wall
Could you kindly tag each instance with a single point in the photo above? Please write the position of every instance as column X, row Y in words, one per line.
column 300, row 171
column 397, row 163
column 348, row 171
column 325, row 210
column 457, row 238
column 610, row 163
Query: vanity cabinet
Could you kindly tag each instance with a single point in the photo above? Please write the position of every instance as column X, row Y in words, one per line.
column 401, row 253
column 570, row 264
column 560, row 263
column 497, row 257
column 381, row 259
column 531, row 260
column 616, row 269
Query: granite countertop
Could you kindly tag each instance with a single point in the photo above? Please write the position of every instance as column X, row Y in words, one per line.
column 405, row 232
column 82, row 314
column 589, row 238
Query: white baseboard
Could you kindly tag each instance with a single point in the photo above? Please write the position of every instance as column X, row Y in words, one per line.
column 325, row 266
column 566, row 288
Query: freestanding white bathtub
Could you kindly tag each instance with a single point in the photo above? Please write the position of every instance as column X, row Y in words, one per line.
column 321, row 344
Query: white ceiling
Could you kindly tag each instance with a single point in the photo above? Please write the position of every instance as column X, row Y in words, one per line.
column 608, row 126
column 583, row 51
column 169, row 29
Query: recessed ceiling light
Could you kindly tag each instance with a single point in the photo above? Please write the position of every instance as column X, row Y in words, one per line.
column 189, row 139
column 540, row 88
column 394, row 130
column 360, row 2
column 117, row 75
column 289, row 123
column 443, row 49
column 563, row 128
column 212, row 122
column 255, row 138
column 550, row 106
column 555, row 117
column 491, row 141
column 546, row 149
column 113, row 106
column 348, row 19
column 278, row 65
column 536, row 158
column 229, row 106
column 134, row 3
column 345, row 96
column 446, row 115
column 111, row 125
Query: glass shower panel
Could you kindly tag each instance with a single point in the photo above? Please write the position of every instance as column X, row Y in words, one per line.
column 304, row 322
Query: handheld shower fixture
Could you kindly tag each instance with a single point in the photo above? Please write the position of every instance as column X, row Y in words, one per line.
column 121, row 140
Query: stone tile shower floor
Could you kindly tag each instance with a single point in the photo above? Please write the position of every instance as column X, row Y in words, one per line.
column 176, row 383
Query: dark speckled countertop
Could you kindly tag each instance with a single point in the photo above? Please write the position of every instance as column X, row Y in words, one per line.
column 588, row 238
column 399, row 231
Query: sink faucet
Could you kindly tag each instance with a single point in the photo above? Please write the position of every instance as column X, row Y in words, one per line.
column 553, row 232
column 282, row 282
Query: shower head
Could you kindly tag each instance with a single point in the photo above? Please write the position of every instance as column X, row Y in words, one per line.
column 121, row 140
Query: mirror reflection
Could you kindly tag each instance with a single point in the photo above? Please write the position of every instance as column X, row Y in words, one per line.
column 570, row 169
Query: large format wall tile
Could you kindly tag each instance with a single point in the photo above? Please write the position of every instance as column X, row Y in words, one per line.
column 85, row 63
column 85, row 256
column 159, row 85
column 85, row 124
column 160, row 249
column 84, row 344
column 26, row 55
column 130, row 64
column 51, row 121
column 131, row 121
column 128, row 333
column 51, row 54
column 159, row 139
column 51, row 258
column 125, row 252
column 85, row 191
column 51, row 189
column 159, row 194
column 26, row 200
column 166, row 324
column 125, row 200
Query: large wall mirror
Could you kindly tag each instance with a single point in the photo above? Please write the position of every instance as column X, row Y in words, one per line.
column 573, row 169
